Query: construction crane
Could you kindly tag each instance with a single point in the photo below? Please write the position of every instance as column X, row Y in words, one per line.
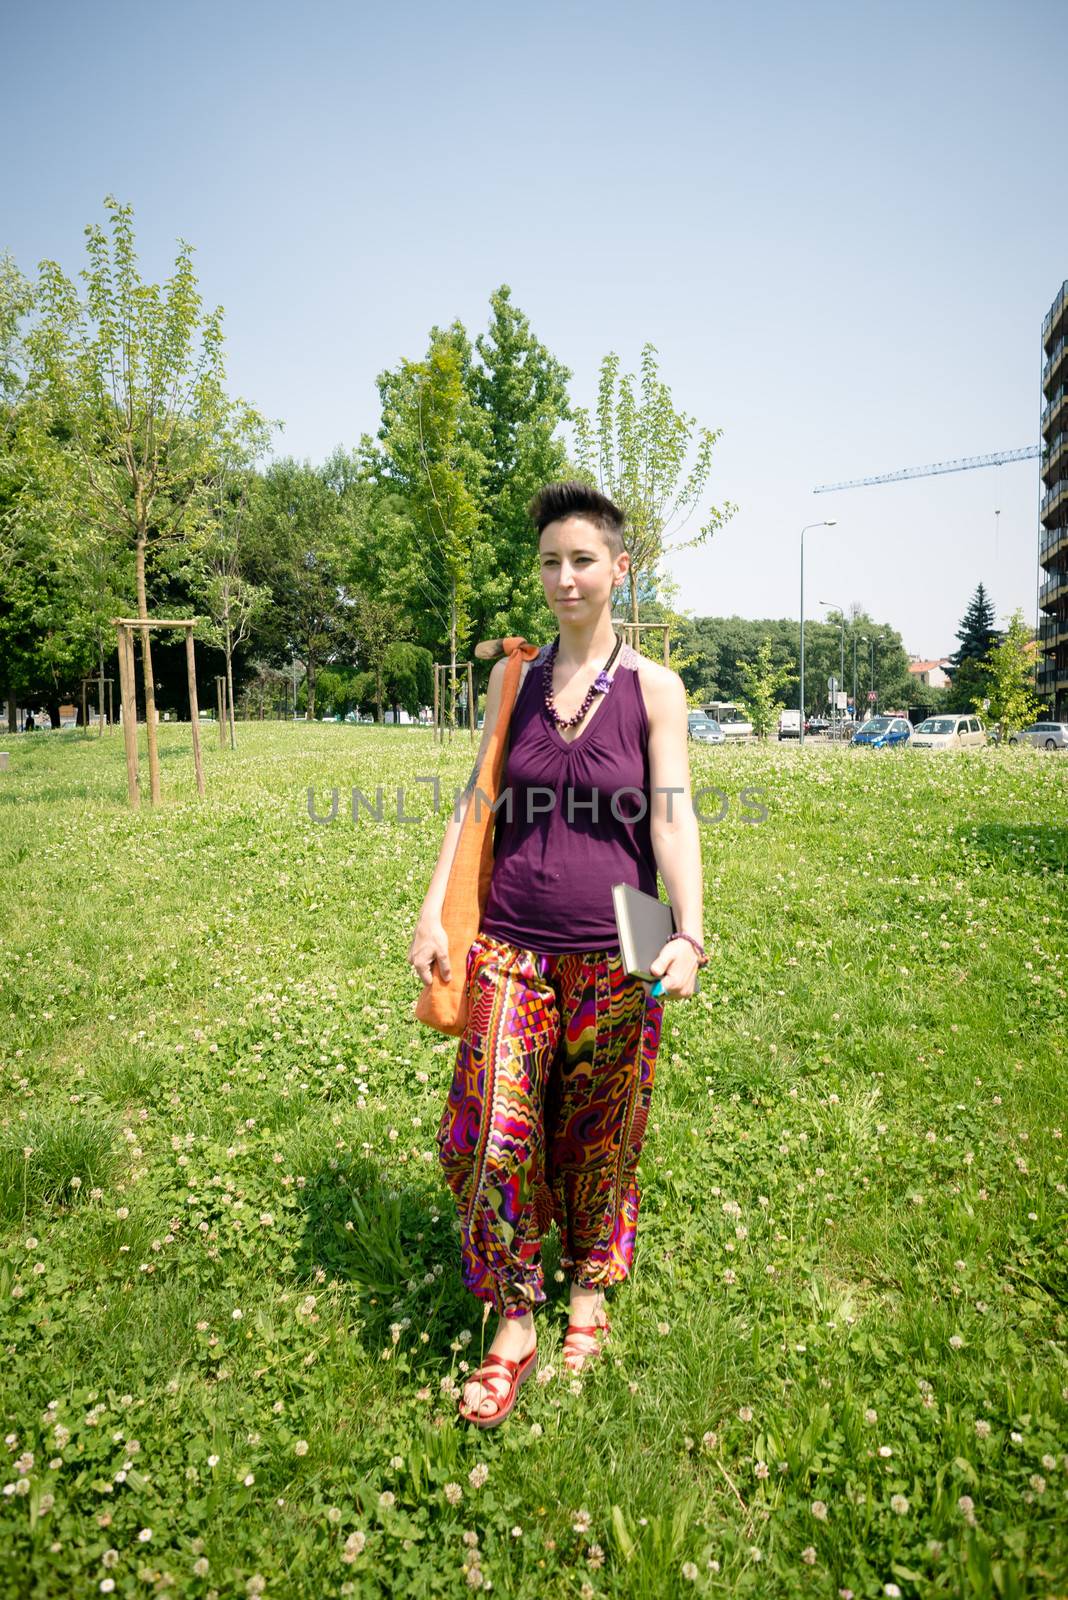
column 965, row 465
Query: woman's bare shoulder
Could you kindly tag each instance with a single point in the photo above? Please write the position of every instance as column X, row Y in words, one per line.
column 662, row 688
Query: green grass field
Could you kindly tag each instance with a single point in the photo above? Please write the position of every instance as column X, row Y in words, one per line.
column 230, row 1311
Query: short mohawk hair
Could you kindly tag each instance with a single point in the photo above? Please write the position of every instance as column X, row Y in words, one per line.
column 575, row 499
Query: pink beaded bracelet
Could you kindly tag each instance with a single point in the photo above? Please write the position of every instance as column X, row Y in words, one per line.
column 702, row 959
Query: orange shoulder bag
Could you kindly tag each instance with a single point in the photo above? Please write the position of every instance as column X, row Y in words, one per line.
column 444, row 1005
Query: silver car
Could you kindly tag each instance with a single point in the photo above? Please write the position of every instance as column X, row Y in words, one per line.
column 1043, row 735
column 706, row 730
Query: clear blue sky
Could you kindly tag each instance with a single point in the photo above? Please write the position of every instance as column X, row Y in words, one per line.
column 841, row 225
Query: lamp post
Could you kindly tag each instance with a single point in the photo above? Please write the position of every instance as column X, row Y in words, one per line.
column 854, row 675
column 875, row 702
column 841, row 614
column 801, row 694
column 865, row 640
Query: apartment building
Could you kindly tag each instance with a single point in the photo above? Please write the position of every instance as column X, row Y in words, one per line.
column 1053, row 511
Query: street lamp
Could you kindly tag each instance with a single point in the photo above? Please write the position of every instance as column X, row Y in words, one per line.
column 831, row 524
column 865, row 640
column 841, row 614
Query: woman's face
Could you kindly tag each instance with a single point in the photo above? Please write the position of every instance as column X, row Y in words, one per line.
column 577, row 569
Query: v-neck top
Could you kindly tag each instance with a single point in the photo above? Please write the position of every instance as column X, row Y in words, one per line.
column 579, row 818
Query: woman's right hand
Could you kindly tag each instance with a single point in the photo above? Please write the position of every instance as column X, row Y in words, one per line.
column 430, row 943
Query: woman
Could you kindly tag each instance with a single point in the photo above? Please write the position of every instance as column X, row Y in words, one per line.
column 547, row 1111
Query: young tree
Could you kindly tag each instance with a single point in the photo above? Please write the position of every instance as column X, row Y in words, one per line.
column 128, row 409
column 233, row 604
column 295, row 546
column 636, row 454
column 1009, row 701
column 762, row 685
column 377, row 627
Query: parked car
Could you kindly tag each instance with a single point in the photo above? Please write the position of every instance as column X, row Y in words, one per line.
column 949, row 732
column 736, row 727
column 789, row 724
column 706, row 730
column 817, row 724
column 1043, row 735
column 879, row 732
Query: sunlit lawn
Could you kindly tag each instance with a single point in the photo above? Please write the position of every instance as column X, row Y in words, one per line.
column 230, row 1311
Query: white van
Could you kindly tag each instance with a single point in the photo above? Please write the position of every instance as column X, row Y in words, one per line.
column 789, row 724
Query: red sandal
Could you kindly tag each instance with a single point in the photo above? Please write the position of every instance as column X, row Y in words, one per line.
column 517, row 1374
column 591, row 1331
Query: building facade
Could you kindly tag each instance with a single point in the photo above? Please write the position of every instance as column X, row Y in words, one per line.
column 1053, row 511
column 933, row 673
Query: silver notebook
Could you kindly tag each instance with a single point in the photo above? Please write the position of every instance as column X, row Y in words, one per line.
column 645, row 923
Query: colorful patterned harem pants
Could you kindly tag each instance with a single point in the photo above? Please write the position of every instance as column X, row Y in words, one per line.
column 546, row 1117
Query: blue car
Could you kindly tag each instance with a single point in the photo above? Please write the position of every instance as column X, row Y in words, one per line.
column 882, row 731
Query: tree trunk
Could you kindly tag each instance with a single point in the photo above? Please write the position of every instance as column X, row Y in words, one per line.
column 634, row 601
column 230, row 691
column 310, row 713
column 100, row 724
column 150, row 687
column 378, row 695
column 52, row 707
column 452, row 664
column 12, row 714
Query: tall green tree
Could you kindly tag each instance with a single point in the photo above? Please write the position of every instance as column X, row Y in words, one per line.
column 433, row 450
column 636, row 452
column 1008, row 699
column 127, row 408
column 522, row 390
column 977, row 633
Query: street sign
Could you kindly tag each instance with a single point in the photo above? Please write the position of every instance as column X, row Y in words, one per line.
column 832, row 685
column 872, row 696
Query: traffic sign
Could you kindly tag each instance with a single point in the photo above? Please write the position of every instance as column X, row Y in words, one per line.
column 832, row 685
column 872, row 696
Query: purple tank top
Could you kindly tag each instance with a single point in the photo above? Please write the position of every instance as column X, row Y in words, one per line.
column 577, row 825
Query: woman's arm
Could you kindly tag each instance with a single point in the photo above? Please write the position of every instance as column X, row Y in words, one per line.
column 429, row 942
column 673, row 825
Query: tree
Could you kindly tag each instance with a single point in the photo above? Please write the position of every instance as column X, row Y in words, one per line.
column 1010, row 701
column 522, row 391
column 127, row 409
column 295, row 547
column 762, row 684
column 233, row 604
column 976, row 633
column 636, row 455
column 378, row 627
column 434, row 441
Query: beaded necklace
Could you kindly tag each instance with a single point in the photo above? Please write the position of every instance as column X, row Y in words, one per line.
column 600, row 685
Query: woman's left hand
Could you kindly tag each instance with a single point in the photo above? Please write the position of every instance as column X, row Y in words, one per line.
column 676, row 967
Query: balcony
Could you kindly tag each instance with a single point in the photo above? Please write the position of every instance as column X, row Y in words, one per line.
column 1056, row 365
column 1056, row 315
column 1054, row 456
column 1053, row 543
column 1052, row 590
column 1055, row 414
column 1054, row 501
